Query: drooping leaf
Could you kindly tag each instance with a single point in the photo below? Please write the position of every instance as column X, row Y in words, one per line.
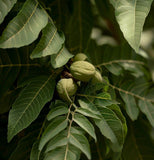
column 131, row 16
column 111, row 127
column 56, row 126
column 6, row 6
column 25, row 27
column 131, row 107
column 28, row 105
column 80, row 25
column 148, row 109
column 61, row 58
column 116, row 109
column 50, row 43
column 81, row 142
column 85, row 124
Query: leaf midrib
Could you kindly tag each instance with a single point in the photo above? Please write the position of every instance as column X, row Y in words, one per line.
column 51, row 39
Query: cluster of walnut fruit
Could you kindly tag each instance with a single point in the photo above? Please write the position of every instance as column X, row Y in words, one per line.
column 80, row 70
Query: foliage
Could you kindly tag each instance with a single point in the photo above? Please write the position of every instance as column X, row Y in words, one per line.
column 110, row 120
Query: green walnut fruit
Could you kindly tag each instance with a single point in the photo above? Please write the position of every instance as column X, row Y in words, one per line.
column 80, row 57
column 82, row 70
column 97, row 77
column 66, row 88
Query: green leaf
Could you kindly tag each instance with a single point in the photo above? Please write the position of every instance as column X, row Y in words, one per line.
column 35, row 153
column 61, row 58
column 131, row 16
column 60, row 110
column 81, row 142
column 104, row 99
column 116, row 109
column 51, row 42
column 111, row 127
column 28, row 105
column 80, row 25
column 56, row 126
column 63, row 153
column 87, row 113
column 114, row 69
column 90, row 107
column 148, row 109
column 25, row 27
column 85, row 124
column 131, row 107
column 57, row 141
column 6, row 6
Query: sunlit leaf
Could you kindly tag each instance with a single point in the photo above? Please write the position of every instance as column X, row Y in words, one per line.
column 6, row 6
column 51, row 42
column 61, row 58
column 131, row 16
column 25, row 27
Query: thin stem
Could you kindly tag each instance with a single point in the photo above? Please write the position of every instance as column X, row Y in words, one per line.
column 70, row 125
column 120, row 61
column 98, row 151
column 41, row 130
column 127, row 92
column 18, row 65
column 84, row 95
